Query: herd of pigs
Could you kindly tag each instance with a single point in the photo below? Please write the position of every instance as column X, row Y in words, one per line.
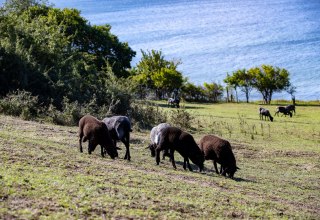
column 164, row 138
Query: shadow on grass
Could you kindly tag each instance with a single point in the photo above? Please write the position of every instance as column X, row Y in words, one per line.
column 182, row 106
column 239, row 179
column 211, row 172
column 194, row 167
column 163, row 105
column 193, row 107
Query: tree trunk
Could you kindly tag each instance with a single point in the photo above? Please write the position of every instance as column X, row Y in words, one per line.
column 227, row 94
column 264, row 96
column 293, row 100
column 235, row 88
column 270, row 97
column 247, row 95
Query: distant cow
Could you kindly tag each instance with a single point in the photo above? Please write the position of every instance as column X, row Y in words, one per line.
column 283, row 110
column 291, row 108
column 265, row 112
column 174, row 102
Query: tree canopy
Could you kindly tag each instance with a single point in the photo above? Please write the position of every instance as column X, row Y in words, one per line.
column 213, row 91
column 268, row 80
column 55, row 53
column 209, row 92
column 155, row 72
column 242, row 79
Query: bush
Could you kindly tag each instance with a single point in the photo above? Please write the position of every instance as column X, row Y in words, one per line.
column 118, row 95
column 145, row 115
column 21, row 104
column 71, row 112
column 69, row 115
column 181, row 118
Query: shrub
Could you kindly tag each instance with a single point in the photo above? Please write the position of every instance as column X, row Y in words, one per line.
column 118, row 95
column 181, row 118
column 21, row 104
column 145, row 115
column 69, row 115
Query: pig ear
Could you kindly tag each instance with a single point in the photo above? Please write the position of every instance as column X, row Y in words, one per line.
column 118, row 148
column 238, row 168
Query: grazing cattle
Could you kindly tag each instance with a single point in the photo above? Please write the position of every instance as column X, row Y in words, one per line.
column 219, row 151
column 291, row 108
column 173, row 138
column 283, row 110
column 96, row 132
column 174, row 102
column 265, row 112
column 119, row 128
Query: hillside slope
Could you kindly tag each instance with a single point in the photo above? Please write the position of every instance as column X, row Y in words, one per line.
column 43, row 174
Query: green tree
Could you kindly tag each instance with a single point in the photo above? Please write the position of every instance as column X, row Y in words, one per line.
column 151, row 63
column 167, row 80
column 232, row 82
column 192, row 92
column 18, row 6
column 292, row 90
column 268, row 80
column 213, row 91
column 156, row 73
column 55, row 53
column 242, row 79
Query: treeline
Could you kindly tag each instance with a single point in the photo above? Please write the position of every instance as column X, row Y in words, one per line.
column 60, row 62
column 265, row 79
column 156, row 74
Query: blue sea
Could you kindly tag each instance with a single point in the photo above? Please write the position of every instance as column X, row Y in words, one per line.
column 216, row 37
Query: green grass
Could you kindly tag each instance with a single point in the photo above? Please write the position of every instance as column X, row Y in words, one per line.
column 44, row 176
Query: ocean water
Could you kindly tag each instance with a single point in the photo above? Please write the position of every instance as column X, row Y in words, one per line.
column 216, row 37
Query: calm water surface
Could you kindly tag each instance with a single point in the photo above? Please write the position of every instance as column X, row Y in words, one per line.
column 213, row 37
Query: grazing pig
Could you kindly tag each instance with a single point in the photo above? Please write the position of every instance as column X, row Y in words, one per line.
column 96, row 132
column 119, row 128
column 155, row 134
column 173, row 138
column 219, row 151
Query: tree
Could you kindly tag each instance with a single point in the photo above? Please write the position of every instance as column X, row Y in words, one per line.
column 242, row 79
column 150, row 63
column 214, row 91
column 166, row 80
column 191, row 92
column 156, row 73
column 232, row 81
column 268, row 80
column 194, row 93
column 55, row 53
column 292, row 90
column 18, row 6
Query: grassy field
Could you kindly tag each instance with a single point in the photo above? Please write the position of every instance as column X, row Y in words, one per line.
column 44, row 176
